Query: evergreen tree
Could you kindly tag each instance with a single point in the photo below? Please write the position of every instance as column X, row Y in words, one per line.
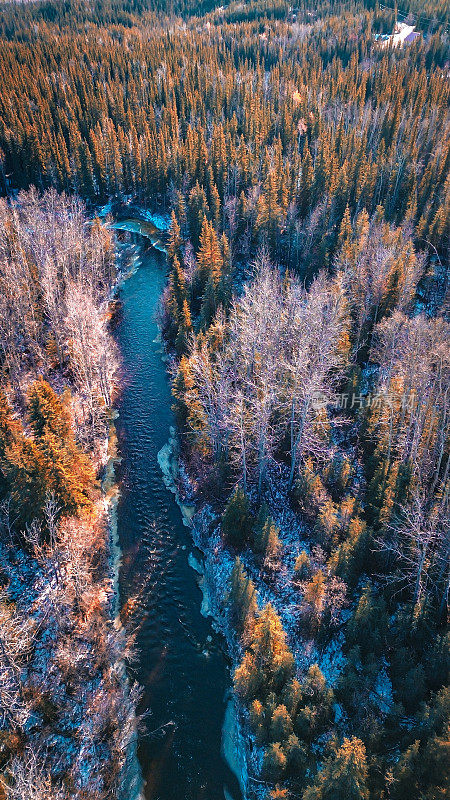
column 268, row 663
column 266, row 534
column 197, row 212
column 302, row 565
column 179, row 323
column 68, row 473
column 345, row 236
column 184, row 329
column 314, row 594
column 174, row 243
column 47, row 413
column 306, row 181
column 343, row 776
column 258, row 720
column 274, row 762
column 236, row 520
column 183, row 389
column 348, row 559
column 280, row 724
column 27, row 478
column 10, row 429
column 241, row 597
column 369, row 622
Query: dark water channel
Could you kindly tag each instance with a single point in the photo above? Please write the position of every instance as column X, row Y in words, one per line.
column 180, row 664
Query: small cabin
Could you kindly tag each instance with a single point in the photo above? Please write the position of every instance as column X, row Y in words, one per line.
column 403, row 35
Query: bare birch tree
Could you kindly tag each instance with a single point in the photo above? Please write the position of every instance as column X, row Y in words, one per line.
column 419, row 543
column 313, row 362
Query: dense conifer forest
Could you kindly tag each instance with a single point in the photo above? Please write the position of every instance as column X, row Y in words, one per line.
column 305, row 167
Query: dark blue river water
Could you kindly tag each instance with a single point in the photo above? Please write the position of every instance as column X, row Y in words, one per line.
column 180, row 663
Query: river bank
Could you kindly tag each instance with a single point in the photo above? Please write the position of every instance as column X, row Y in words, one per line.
column 132, row 782
column 213, row 567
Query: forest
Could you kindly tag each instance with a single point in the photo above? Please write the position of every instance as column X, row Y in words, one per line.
column 67, row 714
column 305, row 170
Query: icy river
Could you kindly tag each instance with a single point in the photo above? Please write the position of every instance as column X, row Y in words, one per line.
column 180, row 663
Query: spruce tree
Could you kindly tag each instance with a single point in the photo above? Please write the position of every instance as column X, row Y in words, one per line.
column 68, row 472
column 9, row 426
column 28, row 479
column 184, row 329
column 302, row 565
column 47, row 413
column 186, row 404
column 274, row 762
column 266, row 537
column 345, row 236
column 174, row 244
column 368, row 625
column 343, row 776
column 268, row 664
column 236, row 520
column 280, row 724
column 241, row 597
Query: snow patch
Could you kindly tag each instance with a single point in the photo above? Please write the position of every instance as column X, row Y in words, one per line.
column 168, row 462
column 160, row 221
column 232, row 749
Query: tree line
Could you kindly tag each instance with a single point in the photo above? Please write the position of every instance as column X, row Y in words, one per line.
column 269, row 127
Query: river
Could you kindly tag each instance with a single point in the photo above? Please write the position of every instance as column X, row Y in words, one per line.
column 180, row 663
